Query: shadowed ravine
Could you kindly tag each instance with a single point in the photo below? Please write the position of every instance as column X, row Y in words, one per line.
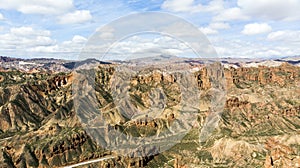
column 258, row 126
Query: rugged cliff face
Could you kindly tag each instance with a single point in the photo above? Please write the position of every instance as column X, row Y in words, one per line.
column 259, row 125
column 262, row 106
column 282, row 75
column 38, row 126
column 28, row 99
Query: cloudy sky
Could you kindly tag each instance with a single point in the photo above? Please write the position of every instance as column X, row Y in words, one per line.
column 236, row 28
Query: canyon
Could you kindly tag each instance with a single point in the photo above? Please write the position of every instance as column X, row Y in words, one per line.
column 258, row 125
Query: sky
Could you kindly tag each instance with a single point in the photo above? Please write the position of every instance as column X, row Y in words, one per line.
column 235, row 28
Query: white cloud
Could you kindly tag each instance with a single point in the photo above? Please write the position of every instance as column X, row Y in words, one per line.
column 230, row 14
column 178, row 5
column 37, row 6
column 213, row 28
column 271, row 9
column 63, row 10
column 19, row 40
column 192, row 6
column 106, row 32
column 78, row 16
column 79, row 39
column 219, row 25
column 29, row 31
column 256, row 28
column 76, row 44
column 67, row 49
column 71, row 46
column 258, row 49
column 208, row 30
column 1, row 16
column 145, row 46
column 43, row 49
column 285, row 36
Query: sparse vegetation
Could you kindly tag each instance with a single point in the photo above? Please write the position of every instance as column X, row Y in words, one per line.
column 39, row 126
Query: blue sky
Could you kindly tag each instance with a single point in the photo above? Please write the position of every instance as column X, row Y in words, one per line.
column 236, row 28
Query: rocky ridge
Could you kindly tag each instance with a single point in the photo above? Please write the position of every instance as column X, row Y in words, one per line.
column 259, row 125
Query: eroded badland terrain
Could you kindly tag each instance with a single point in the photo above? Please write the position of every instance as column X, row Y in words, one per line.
column 259, row 125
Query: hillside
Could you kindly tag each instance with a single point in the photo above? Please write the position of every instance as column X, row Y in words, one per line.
column 44, row 121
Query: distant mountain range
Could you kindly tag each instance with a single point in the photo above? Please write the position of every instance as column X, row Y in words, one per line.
column 60, row 65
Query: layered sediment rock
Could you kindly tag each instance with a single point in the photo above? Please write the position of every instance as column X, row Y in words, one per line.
column 39, row 127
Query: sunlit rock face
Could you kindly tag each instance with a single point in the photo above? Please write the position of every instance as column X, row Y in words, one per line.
column 258, row 126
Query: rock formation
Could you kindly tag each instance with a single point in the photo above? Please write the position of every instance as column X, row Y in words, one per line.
column 258, row 126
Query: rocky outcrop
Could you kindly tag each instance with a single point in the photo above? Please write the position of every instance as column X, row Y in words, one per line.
column 235, row 102
column 281, row 75
column 55, row 150
column 25, row 106
column 39, row 127
column 58, row 82
column 280, row 155
column 291, row 112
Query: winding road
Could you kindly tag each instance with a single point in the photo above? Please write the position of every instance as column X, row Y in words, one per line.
column 5, row 138
column 89, row 162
